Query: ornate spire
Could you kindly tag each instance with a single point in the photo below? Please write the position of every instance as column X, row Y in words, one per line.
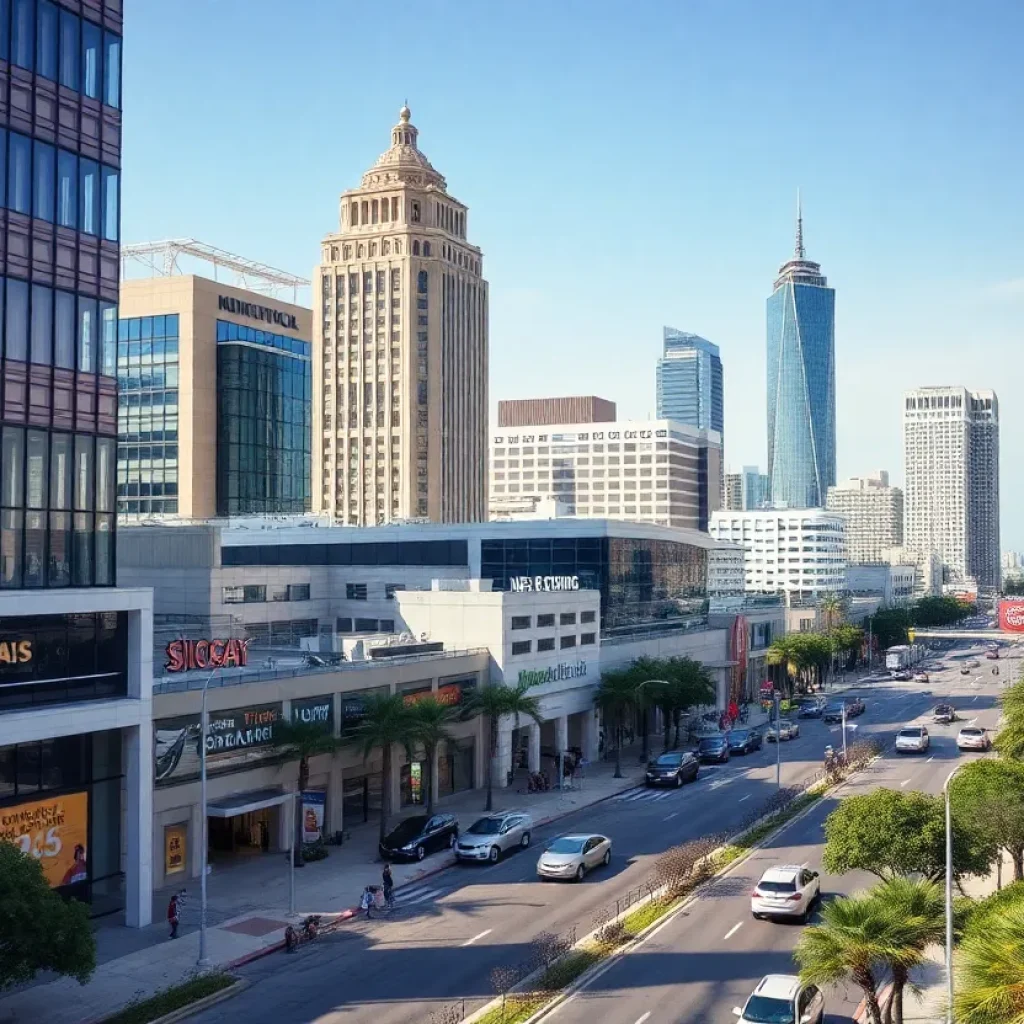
column 404, row 161
column 800, row 252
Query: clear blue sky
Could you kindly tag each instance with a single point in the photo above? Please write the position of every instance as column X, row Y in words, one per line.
column 629, row 165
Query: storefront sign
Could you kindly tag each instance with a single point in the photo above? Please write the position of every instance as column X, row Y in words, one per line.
column 15, row 652
column 315, row 711
column 314, row 803
column 552, row 674
column 451, row 693
column 256, row 312
column 184, row 655
column 174, row 849
column 1011, row 616
column 543, row 584
column 54, row 832
column 236, row 740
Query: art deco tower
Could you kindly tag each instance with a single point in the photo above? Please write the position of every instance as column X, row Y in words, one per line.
column 400, row 350
column 801, row 383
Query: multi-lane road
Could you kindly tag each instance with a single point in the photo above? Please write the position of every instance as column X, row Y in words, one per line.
column 449, row 932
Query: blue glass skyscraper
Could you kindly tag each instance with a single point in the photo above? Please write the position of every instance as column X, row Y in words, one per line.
column 690, row 381
column 801, row 383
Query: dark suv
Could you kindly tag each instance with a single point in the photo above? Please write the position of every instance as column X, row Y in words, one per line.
column 419, row 835
column 713, row 748
column 672, row 770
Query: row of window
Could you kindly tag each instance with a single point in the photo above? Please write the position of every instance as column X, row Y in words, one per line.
column 58, row 45
column 145, row 328
column 228, row 331
column 548, row 643
column 58, row 186
column 547, row 621
column 257, row 594
column 348, row 625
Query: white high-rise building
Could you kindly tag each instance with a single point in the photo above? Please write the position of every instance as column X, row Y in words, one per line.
column 951, row 450
column 874, row 516
column 400, row 350
column 801, row 552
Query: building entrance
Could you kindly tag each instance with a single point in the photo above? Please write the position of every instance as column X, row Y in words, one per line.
column 250, row 833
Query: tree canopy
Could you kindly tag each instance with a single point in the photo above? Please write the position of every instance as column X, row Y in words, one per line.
column 1010, row 738
column 990, row 793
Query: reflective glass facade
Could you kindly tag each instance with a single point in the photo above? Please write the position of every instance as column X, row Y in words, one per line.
column 801, row 387
column 690, row 383
column 60, row 132
column 264, row 416
column 147, row 415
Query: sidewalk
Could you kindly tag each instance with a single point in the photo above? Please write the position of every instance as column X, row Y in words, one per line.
column 247, row 904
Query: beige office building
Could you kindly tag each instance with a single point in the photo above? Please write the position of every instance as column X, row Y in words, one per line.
column 214, row 392
column 400, row 351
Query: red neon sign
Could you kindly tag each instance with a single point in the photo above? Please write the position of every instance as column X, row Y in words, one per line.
column 184, row 655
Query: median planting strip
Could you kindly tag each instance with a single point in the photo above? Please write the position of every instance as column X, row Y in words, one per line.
column 179, row 1001
column 561, row 966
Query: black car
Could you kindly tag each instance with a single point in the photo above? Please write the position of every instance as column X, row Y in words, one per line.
column 833, row 713
column 672, row 770
column 743, row 741
column 811, row 709
column 713, row 748
column 415, row 837
column 855, row 707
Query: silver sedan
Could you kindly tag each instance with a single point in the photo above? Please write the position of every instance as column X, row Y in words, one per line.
column 571, row 857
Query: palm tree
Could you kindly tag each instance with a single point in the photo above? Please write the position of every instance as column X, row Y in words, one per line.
column 855, row 940
column 990, row 971
column 687, row 684
column 615, row 697
column 785, row 651
column 300, row 741
column 831, row 608
column 431, row 719
column 493, row 702
column 387, row 720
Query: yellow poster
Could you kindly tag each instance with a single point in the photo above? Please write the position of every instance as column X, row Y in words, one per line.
column 174, row 849
column 54, row 831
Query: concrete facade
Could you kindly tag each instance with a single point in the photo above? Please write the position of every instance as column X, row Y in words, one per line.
column 538, row 412
column 874, row 516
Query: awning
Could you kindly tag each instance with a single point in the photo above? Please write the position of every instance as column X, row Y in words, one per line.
column 244, row 803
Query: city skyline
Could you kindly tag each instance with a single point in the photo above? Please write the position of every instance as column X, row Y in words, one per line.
column 716, row 243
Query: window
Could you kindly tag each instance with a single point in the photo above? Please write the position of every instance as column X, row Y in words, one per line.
column 249, row 594
column 521, row 647
column 545, row 621
column 355, row 591
column 520, row 621
column 298, row 592
column 111, row 69
column 64, row 331
column 42, row 324
column 366, row 625
column 587, row 617
column 44, row 178
column 17, row 320
column 67, row 189
column 86, row 334
column 344, row 625
column 89, row 203
column 22, row 34
column 387, row 625
column 90, row 59
column 46, row 40
column 546, row 644
column 19, row 174
column 567, row 619
column 390, row 589
column 69, row 50
column 587, row 639
column 111, row 220
column 567, row 641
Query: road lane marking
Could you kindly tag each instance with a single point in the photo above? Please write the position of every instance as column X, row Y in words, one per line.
column 930, row 759
column 905, row 782
column 480, row 936
column 742, row 798
column 669, row 817
column 732, row 931
column 640, row 1020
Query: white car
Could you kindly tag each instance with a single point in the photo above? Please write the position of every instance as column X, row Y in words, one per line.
column 569, row 858
column 489, row 837
column 781, row 999
column 913, row 739
column 973, row 737
column 785, row 730
column 790, row 890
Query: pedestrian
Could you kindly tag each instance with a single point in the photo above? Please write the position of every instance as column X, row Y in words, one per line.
column 389, row 885
column 367, row 901
column 172, row 912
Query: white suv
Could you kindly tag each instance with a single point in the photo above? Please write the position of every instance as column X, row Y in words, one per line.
column 790, row 890
column 781, row 999
column 912, row 740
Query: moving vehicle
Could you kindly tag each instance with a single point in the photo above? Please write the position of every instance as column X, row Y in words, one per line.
column 913, row 739
column 672, row 769
column 489, row 837
column 415, row 837
column 713, row 749
column 790, row 890
column 571, row 857
column 973, row 737
column 944, row 714
column 973, row 663
column 784, row 729
column 833, row 713
column 781, row 999
column 992, row 655
column 854, row 707
column 921, row 677
column 811, row 709
column 965, row 671
column 743, row 741
column 902, row 676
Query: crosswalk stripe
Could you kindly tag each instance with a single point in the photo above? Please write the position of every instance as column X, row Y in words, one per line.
column 644, row 796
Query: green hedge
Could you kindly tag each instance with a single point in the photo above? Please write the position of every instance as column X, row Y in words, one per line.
column 167, row 1000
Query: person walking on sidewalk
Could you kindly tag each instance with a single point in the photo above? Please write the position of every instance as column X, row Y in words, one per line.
column 389, row 886
column 173, row 909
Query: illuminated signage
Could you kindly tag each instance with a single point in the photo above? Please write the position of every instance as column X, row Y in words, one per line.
column 255, row 312
column 15, row 652
column 1011, row 616
column 543, row 584
column 184, row 655
column 552, row 674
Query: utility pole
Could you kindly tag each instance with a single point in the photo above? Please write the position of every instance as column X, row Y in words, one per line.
column 778, row 741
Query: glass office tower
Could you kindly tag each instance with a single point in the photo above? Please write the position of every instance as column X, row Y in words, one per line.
column 801, row 383
column 689, row 378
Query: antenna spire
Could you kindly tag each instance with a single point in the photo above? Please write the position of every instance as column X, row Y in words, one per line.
column 800, row 252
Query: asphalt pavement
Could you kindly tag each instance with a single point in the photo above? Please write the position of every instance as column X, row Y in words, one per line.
column 451, row 931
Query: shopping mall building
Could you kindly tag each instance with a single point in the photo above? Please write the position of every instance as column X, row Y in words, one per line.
column 324, row 616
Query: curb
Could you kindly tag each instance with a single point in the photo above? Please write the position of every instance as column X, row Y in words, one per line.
column 239, row 985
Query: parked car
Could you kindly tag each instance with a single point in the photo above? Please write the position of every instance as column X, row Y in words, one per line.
column 944, row 714
column 571, row 857
column 973, row 737
column 672, row 769
column 902, row 676
column 992, row 655
column 415, row 837
column 784, row 729
column 855, row 707
column 743, row 741
column 790, row 890
column 965, row 671
column 811, row 709
column 913, row 739
column 781, row 999
column 713, row 748
column 489, row 837
column 833, row 713
column 921, row 677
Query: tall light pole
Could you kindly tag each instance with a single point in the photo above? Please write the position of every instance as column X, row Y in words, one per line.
column 949, row 894
column 644, row 753
column 778, row 739
column 203, row 961
column 844, row 732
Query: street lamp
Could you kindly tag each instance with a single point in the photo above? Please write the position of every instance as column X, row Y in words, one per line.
column 949, row 894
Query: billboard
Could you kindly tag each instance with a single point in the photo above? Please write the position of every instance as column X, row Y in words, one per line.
column 1011, row 616
column 55, row 832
